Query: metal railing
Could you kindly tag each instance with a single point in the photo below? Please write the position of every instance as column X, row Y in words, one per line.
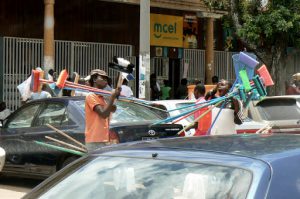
column 18, row 56
column 21, row 55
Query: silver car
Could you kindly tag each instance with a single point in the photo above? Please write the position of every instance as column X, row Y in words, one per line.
column 281, row 112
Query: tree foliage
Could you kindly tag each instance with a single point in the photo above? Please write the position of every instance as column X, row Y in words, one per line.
column 266, row 30
column 263, row 27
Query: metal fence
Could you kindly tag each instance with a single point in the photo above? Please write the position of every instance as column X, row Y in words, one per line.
column 195, row 61
column 20, row 55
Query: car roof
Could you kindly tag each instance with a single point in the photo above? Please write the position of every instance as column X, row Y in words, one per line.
column 60, row 99
column 173, row 101
column 266, row 147
column 283, row 97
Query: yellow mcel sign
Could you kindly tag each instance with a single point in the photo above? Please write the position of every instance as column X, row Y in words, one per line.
column 166, row 30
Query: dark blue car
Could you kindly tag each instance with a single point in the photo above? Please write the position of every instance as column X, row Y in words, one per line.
column 25, row 158
column 220, row 167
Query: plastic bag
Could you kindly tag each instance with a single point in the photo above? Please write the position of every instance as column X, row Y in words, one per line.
column 24, row 89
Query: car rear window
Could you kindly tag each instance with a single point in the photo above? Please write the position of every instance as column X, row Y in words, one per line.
column 121, row 177
column 279, row 109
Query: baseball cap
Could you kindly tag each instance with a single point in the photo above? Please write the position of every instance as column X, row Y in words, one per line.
column 99, row 72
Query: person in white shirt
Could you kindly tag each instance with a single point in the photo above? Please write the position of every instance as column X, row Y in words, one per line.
column 126, row 90
column 42, row 94
column 4, row 112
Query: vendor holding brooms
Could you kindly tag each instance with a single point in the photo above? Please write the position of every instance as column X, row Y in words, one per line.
column 97, row 112
column 231, row 112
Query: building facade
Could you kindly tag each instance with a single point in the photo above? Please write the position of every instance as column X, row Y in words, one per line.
column 179, row 32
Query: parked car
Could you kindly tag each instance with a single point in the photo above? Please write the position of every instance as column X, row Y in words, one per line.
column 251, row 166
column 248, row 126
column 2, row 158
column 281, row 112
column 131, row 122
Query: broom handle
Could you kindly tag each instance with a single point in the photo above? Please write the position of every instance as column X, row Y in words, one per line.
column 76, row 85
column 198, row 118
column 183, row 117
column 77, row 77
column 67, row 136
column 120, row 80
column 66, row 144
column 60, row 148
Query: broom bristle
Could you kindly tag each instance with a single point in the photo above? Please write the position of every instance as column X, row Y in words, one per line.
column 62, row 78
column 264, row 73
column 247, row 60
column 35, row 81
column 245, row 80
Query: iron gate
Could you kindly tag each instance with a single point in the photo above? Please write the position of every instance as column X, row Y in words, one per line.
column 20, row 55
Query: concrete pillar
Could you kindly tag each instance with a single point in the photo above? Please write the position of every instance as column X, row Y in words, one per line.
column 144, row 57
column 49, row 35
column 209, row 51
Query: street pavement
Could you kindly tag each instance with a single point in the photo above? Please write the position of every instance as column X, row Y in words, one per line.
column 16, row 188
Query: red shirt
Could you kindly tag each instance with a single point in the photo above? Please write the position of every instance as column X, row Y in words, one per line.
column 205, row 122
column 96, row 127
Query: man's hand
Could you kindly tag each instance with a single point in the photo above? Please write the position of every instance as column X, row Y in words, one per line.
column 113, row 108
column 116, row 93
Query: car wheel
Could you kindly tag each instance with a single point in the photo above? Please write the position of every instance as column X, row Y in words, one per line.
column 67, row 161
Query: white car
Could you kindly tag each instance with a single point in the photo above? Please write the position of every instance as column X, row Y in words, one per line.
column 281, row 112
column 248, row 126
column 2, row 158
column 174, row 104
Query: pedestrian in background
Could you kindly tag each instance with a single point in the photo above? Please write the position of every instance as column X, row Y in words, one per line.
column 182, row 90
column 155, row 88
column 294, row 87
column 215, row 80
column 4, row 111
column 166, row 90
column 51, row 75
column 98, row 111
column 126, row 90
column 41, row 95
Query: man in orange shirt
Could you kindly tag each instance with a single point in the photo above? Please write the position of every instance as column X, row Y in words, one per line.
column 201, row 126
column 97, row 112
column 204, row 123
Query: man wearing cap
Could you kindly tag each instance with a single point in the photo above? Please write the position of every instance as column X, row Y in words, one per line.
column 97, row 112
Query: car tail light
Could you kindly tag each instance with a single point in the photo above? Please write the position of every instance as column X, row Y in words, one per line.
column 241, row 131
column 182, row 134
column 113, row 137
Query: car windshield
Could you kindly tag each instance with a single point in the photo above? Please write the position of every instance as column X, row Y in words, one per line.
column 119, row 177
column 279, row 109
column 180, row 105
column 129, row 112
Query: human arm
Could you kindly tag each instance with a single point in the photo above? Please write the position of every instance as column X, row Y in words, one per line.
column 195, row 126
column 238, row 111
column 212, row 93
column 104, row 111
